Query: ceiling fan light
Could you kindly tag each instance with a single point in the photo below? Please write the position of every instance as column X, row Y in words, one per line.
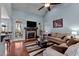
column 47, row 4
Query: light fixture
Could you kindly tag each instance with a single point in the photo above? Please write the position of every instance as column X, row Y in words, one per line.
column 47, row 4
column 74, row 33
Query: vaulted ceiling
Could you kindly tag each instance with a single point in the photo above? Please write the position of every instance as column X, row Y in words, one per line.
column 30, row 7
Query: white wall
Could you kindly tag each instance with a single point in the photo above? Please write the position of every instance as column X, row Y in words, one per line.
column 69, row 13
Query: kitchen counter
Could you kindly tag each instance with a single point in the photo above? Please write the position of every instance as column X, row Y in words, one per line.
column 3, row 35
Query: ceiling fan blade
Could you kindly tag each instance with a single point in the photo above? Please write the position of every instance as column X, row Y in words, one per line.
column 41, row 8
column 48, row 8
column 54, row 3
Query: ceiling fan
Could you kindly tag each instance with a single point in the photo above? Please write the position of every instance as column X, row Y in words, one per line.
column 47, row 5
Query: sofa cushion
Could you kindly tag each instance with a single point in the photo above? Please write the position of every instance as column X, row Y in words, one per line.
column 63, row 37
column 71, row 42
column 51, row 52
column 59, row 49
column 63, row 45
column 72, row 50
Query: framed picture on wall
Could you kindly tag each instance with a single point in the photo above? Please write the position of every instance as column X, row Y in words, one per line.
column 58, row 23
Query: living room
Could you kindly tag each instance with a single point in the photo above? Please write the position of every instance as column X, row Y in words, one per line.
column 37, row 27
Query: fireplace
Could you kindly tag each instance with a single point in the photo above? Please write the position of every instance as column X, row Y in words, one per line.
column 30, row 33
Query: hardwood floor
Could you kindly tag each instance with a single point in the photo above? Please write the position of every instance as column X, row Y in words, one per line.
column 16, row 48
column 22, row 48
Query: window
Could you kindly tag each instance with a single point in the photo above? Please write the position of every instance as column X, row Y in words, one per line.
column 18, row 30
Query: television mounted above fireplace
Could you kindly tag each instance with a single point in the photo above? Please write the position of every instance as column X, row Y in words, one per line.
column 31, row 24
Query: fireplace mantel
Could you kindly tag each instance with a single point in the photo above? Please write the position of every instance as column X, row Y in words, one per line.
column 30, row 28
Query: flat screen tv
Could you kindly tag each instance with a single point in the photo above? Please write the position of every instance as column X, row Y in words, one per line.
column 31, row 24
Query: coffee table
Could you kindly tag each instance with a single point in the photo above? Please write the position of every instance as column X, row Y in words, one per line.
column 44, row 44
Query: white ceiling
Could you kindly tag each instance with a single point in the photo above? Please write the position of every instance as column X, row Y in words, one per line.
column 30, row 7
